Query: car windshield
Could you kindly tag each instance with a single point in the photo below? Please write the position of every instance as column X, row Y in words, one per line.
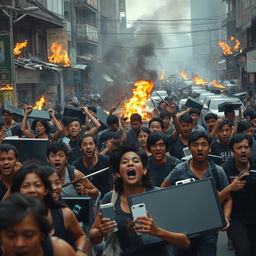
column 216, row 102
column 161, row 93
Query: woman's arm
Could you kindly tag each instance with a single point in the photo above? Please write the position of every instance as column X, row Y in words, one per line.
column 25, row 131
column 73, row 228
column 147, row 225
column 95, row 122
column 61, row 248
column 57, row 124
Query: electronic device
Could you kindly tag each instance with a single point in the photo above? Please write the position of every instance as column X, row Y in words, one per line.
column 70, row 111
column 81, row 207
column 138, row 210
column 29, row 149
column 184, row 181
column 170, row 208
column 107, row 211
column 65, row 140
column 193, row 103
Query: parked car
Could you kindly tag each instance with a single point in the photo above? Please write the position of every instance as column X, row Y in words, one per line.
column 155, row 96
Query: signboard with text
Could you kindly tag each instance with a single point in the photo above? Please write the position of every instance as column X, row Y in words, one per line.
column 5, row 60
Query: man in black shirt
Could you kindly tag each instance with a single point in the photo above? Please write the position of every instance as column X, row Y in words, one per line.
column 243, row 215
column 135, row 123
column 221, row 146
column 91, row 162
column 159, row 164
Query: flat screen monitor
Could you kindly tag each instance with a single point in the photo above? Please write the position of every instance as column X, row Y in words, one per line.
column 29, row 149
column 190, row 208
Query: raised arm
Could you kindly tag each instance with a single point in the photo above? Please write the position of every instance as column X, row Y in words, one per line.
column 95, row 122
column 23, row 126
column 56, row 123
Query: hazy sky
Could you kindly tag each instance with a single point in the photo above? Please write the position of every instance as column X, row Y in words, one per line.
column 172, row 58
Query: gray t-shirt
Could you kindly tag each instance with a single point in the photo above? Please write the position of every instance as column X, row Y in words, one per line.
column 182, row 171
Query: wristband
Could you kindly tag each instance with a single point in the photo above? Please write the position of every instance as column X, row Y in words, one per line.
column 80, row 250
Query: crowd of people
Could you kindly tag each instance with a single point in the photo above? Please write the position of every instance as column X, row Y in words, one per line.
column 142, row 156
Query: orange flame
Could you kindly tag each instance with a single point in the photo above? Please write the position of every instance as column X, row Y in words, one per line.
column 8, row 87
column 199, row 81
column 19, row 46
column 40, row 103
column 226, row 48
column 162, row 76
column 183, row 75
column 215, row 84
column 59, row 55
column 138, row 101
column 237, row 45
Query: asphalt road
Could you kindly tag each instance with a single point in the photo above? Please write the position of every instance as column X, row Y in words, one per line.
column 222, row 245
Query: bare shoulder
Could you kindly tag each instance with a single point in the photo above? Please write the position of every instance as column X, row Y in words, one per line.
column 78, row 174
column 67, row 213
column 61, row 248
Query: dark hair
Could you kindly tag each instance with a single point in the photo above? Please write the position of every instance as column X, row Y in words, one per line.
column 8, row 147
column 110, row 135
column 210, row 116
column 112, row 119
column 54, row 147
column 154, row 137
column 143, row 129
column 65, row 120
column 41, row 172
column 136, row 118
column 156, row 119
column 93, row 109
column 223, row 123
column 243, row 125
column 50, row 170
column 248, row 112
column 75, row 119
column 238, row 138
column 115, row 160
column 87, row 136
column 44, row 123
column 196, row 135
column 17, row 206
column 7, row 112
column 229, row 110
column 195, row 111
column 186, row 118
column 164, row 114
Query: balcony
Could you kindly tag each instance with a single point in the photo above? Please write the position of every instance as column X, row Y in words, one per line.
column 85, row 31
column 90, row 3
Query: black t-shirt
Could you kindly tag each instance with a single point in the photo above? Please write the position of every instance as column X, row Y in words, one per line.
column 221, row 150
column 132, row 138
column 244, row 200
column 158, row 173
column 75, row 149
column 102, row 181
column 176, row 147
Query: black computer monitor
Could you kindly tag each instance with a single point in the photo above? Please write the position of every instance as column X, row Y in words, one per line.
column 29, row 149
column 191, row 208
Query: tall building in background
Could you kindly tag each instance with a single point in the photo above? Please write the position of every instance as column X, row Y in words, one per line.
column 205, row 26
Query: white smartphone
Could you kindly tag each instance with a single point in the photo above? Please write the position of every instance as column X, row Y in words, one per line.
column 107, row 211
column 184, row 181
column 138, row 210
column 66, row 140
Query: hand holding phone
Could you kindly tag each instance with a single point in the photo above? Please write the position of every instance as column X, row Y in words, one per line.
column 108, row 212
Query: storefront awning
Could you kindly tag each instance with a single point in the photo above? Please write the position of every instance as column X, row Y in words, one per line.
column 80, row 66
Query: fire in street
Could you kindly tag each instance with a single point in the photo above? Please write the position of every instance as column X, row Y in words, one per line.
column 215, row 84
column 59, row 55
column 19, row 46
column 183, row 75
column 8, row 87
column 199, row 81
column 40, row 103
column 136, row 104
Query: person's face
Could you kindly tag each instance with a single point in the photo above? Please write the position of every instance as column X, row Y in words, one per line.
column 155, row 127
column 74, row 129
column 162, row 105
column 158, row 150
column 39, row 128
column 241, row 151
column 224, row 134
column 33, row 186
column 131, row 169
column 113, row 127
column 195, row 118
column 142, row 138
column 210, row 123
column 55, row 186
column 8, row 117
column 22, row 238
column 135, row 125
column 249, row 131
column 186, row 127
column 88, row 147
column 166, row 120
column 58, row 160
column 8, row 162
column 230, row 116
column 200, row 149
